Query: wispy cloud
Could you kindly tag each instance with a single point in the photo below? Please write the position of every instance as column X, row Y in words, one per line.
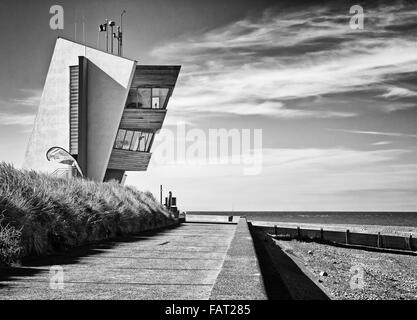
column 396, row 92
column 260, row 66
column 30, row 98
column 17, row 119
column 328, row 159
column 20, row 110
column 382, row 143
column 381, row 191
column 376, row 133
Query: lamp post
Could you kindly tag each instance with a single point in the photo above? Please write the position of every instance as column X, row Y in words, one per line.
column 112, row 24
column 117, row 36
column 107, row 35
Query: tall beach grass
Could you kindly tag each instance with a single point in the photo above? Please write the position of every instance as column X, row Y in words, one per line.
column 41, row 214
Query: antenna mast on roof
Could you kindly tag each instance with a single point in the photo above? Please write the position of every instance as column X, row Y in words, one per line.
column 85, row 48
column 118, row 35
column 111, row 24
column 121, row 34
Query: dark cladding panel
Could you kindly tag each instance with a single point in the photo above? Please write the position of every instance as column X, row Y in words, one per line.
column 136, row 119
column 82, row 114
column 112, row 174
column 129, row 160
column 155, row 76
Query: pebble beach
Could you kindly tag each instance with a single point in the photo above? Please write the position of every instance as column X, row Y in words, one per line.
column 354, row 274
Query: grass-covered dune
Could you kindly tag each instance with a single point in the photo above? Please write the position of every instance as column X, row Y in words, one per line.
column 41, row 214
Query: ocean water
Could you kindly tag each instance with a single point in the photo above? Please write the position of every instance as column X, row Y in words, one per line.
column 339, row 217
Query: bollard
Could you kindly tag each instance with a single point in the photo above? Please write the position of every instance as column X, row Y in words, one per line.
column 276, row 230
column 379, row 240
column 169, row 199
column 347, row 237
column 321, row 234
column 299, row 233
column 410, row 243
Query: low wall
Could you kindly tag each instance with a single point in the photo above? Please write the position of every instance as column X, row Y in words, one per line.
column 346, row 237
column 240, row 277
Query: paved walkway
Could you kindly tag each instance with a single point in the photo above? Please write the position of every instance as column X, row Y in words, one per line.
column 179, row 263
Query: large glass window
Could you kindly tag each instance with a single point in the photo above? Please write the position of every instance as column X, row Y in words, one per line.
column 147, row 98
column 127, row 140
column 148, row 141
column 144, row 97
column 133, row 140
column 132, row 98
column 119, row 139
column 159, row 96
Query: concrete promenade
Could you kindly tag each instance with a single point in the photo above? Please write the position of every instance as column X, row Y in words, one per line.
column 178, row 263
column 240, row 276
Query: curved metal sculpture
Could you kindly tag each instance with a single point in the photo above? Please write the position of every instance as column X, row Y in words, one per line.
column 61, row 155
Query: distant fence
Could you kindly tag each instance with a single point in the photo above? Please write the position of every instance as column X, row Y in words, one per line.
column 346, row 237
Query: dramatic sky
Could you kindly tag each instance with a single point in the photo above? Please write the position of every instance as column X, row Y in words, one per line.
column 337, row 106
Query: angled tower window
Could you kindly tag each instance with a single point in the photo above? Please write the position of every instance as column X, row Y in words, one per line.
column 142, row 144
column 119, row 139
column 148, row 141
column 155, row 98
column 144, row 97
column 159, row 96
column 132, row 98
column 155, row 102
column 127, row 140
column 133, row 140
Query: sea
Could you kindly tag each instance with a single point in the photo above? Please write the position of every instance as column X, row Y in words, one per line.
column 325, row 217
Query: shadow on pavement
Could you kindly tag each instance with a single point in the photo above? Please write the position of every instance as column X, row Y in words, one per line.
column 33, row 265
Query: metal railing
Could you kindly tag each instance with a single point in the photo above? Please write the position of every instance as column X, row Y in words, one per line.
column 67, row 173
column 380, row 241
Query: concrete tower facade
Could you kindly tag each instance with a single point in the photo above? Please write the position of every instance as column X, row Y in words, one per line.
column 103, row 109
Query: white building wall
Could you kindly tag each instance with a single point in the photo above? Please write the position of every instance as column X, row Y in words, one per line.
column 109, row 79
